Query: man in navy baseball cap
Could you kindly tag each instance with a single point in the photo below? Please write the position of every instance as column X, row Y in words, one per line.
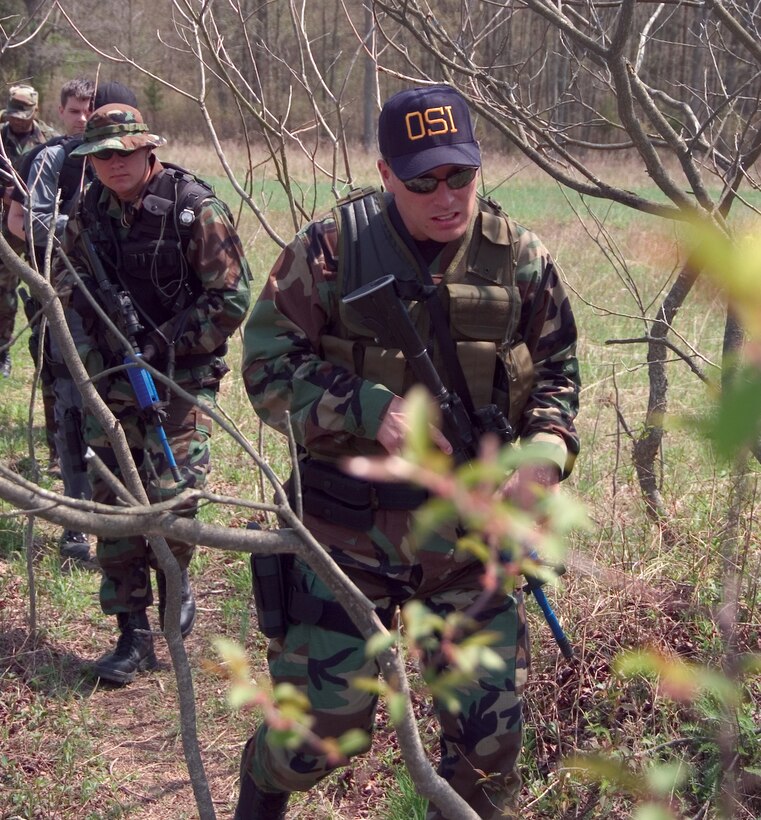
column 422, row 128
column 429, row 161
column 477, row 284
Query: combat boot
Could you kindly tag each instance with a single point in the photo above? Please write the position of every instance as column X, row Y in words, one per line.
column 5, row 364
column 254, row 804
column 187, row 602
column 75, row 547
column 133, row 653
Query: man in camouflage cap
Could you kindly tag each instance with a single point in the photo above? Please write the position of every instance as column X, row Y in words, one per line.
column 20, row 132
column 500, row 330
column 158, row 236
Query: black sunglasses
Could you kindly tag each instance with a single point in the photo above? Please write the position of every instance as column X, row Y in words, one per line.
column 109, row 152
column 454, row 180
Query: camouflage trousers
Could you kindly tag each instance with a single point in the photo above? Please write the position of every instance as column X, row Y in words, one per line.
column 480, row 741
column 8, row 296
column 126, row 562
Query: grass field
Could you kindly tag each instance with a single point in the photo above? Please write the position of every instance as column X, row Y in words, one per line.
column 71, row 749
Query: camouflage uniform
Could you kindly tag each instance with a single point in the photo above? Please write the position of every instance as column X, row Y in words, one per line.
column 335, row 412
column 14, row 147
column 213, row 255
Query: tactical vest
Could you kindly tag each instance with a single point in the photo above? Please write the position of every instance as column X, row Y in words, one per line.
column 150, row 261
column 70, row 176
column 478, row 290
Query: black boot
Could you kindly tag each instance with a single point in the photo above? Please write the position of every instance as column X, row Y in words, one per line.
column 187, row 602
column 5, row 364
column 133, row 653
column 254, row 804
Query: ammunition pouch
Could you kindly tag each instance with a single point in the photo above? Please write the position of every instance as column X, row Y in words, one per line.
column 268, row 578
column 333, row 496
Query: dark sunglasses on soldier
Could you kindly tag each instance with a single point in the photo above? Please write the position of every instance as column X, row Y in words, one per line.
column 455, row 180
column 109, row 152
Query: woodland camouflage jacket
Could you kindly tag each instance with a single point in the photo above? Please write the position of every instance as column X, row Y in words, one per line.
column 285, row 368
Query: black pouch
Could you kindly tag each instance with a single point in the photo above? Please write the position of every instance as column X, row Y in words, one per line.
column 336, row 497
column 351, row 502
column 268, row 575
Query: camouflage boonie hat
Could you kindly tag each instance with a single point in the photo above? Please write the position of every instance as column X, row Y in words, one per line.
column 22, row 102
column 117, row 127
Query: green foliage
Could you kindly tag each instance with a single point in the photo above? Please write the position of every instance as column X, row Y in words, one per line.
column 736, row 421
column 402, row 800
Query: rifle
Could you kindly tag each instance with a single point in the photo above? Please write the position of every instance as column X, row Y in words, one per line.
column 118, row 305
column 382, row 311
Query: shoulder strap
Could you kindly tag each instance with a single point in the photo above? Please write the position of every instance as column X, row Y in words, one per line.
column 369, row 248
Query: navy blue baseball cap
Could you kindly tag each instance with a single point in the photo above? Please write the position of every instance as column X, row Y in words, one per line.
column 422, row 128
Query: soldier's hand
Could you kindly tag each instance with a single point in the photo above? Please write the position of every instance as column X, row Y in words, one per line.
column 394, row 427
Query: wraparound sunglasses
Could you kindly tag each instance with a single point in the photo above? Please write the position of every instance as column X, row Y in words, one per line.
column 109, row 152
column 454, row 180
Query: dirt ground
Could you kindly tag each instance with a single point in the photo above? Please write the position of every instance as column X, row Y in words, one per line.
column 130, row 744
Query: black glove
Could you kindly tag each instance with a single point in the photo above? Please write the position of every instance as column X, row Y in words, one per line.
column 149, row 353
column 153, row 349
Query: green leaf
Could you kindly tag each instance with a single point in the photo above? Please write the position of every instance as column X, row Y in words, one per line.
column 235, row 658
column 379, row 642
column 418, row 407
column 241, row 694
column 397, row 705
column 475, row 546
column 737, row 419
column 601, row 768
column 433, row 515
column 419, row 621
column 288, row 738
column 664, row 778
column 375, row 686
column 287, row 696
column 652, row 811
column 353, row 742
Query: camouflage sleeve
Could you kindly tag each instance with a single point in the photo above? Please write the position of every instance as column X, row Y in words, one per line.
column 216, row 257
column 283, row 367
column 548, row 417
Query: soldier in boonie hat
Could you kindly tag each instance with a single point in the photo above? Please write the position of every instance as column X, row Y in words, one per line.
column 116, row 127
column 22, row 102
column 157, row 233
